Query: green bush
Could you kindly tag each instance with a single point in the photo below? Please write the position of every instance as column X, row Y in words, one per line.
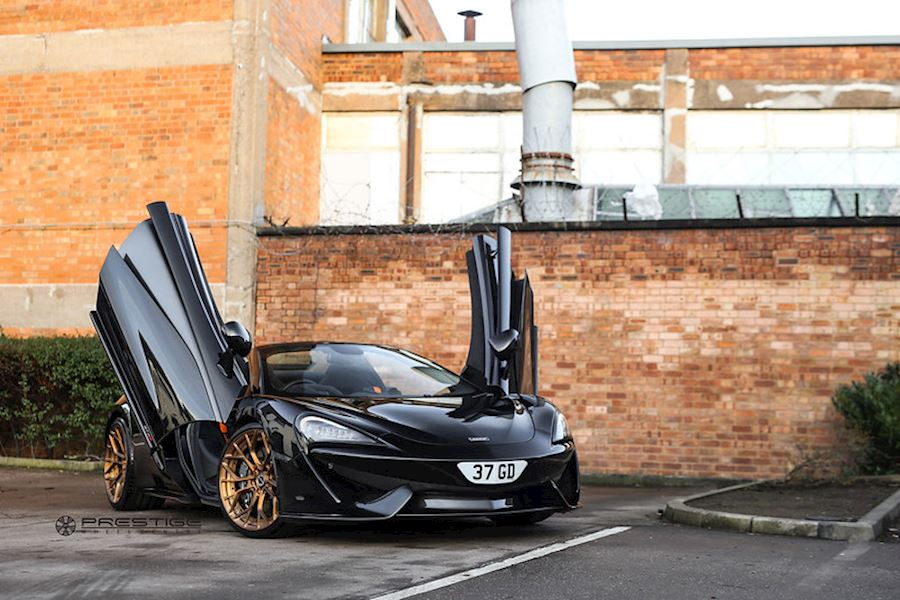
column 55, row 395
column 872, row 407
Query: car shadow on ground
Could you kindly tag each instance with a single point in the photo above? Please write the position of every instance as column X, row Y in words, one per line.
column 45, row 495
column 396, row 531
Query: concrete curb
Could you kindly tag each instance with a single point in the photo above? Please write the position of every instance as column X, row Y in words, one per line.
column 866, row 528
column 46, row 463
column 879, row 517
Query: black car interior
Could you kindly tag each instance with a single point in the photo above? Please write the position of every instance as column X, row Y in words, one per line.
column 346, row 372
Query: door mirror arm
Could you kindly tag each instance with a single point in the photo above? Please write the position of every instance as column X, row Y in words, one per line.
column 238, row 343
column 504, row 344
column 226, row 363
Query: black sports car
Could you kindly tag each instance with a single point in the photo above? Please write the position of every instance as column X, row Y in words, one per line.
column 306, row 431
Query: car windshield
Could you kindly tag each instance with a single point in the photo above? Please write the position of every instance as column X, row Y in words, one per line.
column 352, row 370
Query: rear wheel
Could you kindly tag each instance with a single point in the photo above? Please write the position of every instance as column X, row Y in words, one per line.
column 521, row 518
column 119, row 471
column 248, row 485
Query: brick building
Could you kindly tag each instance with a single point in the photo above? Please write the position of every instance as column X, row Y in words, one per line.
column 770, row 113
column 681, row 349
column 214, row 106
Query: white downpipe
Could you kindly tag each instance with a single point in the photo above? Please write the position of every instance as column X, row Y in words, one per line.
column 547, row 72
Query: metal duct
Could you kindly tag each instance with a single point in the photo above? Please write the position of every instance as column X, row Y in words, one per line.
column 547, row 72
column 469, row 31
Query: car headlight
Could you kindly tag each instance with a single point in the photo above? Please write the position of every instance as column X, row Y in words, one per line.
column 317, row 429
column 560, row 429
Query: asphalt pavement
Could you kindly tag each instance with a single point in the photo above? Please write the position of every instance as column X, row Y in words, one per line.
column 194, row 554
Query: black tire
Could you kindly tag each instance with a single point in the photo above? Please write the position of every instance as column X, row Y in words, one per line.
column 119, row 478
column 522, row 519
column 279, row 527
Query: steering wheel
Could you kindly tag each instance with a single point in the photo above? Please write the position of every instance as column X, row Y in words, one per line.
column 312, row 386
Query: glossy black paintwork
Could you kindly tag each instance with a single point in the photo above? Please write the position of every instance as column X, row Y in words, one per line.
column 159, row 324
column 340, row 477
column 489, row 273
column 183, row 381
column 162, row 351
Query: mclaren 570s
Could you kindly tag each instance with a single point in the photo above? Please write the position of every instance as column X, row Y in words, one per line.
column 281, row 434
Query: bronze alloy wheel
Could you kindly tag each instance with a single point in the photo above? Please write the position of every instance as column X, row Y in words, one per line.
column 115, row 463
column 247, row 484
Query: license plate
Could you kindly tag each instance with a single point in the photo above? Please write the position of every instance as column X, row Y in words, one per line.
column 492, row 472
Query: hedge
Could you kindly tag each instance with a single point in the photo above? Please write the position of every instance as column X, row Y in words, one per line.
column 872, row 408
column 55, row 395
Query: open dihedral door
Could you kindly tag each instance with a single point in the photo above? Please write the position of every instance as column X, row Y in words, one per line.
column 503, row 342
column 163, row 333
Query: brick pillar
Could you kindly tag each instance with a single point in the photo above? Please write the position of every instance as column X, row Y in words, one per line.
column 412, row 167
column 676, row 77
column 247, row 158
column 414, row 72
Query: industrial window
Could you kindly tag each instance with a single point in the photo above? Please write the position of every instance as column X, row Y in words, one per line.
column 750, row 202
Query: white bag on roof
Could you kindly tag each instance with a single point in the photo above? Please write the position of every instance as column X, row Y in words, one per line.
column 643, row 202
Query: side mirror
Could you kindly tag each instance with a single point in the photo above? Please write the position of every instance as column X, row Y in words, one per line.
column 238, row 338
column 504, row 343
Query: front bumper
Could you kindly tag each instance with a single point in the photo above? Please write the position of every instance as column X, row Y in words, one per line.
column 350, row 484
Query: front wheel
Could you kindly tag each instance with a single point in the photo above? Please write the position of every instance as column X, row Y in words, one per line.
column 248, row 485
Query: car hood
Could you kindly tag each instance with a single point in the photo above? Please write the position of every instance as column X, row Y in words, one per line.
column 447, row 420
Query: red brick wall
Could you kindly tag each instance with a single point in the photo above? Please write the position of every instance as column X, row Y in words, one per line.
column 292, row 160
column 82, row 153
column 490, row 66
column 619, row 65
column 362, row 66
column 832, row 63
column 297, row 29
column 44, row 16
column 471, row 67
column 826, row 63
column 690, row 352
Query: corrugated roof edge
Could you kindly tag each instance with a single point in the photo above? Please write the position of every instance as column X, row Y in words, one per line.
column 582, row 226
column 778, row 42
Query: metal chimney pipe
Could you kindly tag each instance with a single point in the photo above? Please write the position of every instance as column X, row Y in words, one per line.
column 470, row 15
column 547, row 73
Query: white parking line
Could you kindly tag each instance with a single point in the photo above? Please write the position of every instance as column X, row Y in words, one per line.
column 821, row 577
column 499, row 565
